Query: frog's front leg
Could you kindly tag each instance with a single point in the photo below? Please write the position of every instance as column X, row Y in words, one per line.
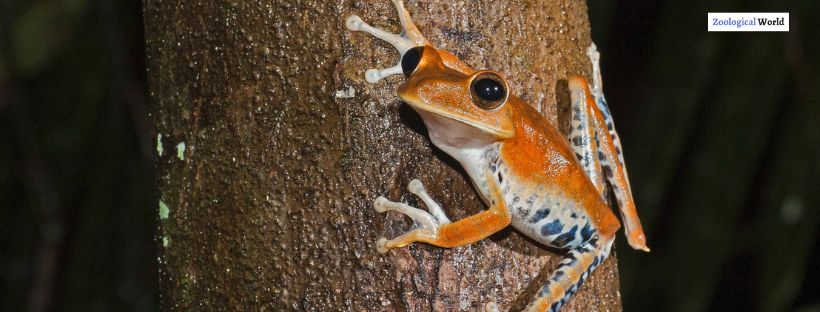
column 436, row 229
column 429, row 223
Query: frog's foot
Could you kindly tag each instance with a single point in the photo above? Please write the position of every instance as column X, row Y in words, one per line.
column 409, row 38
column 595, row 58
column 417, row 188
column 427, row 224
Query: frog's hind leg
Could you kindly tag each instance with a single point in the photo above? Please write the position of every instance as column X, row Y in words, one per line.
column 610, row 153
column 409, row 38
column 582, row 136
column 570, row 274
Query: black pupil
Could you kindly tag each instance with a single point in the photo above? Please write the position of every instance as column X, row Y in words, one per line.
column 489, row 90
column 411, row 60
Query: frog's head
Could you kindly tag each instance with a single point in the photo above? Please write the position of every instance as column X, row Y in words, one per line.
column 455, row 104
column 460, row 106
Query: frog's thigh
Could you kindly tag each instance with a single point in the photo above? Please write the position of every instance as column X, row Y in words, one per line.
column 582, row 135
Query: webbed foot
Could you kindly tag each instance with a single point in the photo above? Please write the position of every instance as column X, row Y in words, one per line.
column 409, row 38
column 427, row 223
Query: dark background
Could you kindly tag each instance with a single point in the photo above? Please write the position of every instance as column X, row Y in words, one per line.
column 721, row 133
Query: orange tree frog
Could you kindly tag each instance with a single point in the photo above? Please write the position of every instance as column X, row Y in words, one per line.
column 529, row 175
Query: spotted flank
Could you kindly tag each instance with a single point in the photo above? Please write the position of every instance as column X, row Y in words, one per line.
column 547, row 215
column 551, row 218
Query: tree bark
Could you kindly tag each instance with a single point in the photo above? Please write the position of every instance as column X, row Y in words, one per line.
column 271, row 148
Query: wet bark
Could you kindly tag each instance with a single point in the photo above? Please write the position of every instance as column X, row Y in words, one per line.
column 271, row 148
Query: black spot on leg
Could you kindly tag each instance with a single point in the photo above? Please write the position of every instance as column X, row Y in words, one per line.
column 570, row 261
column 607, row 171
column 586, row 232
column 500, row 177
column 544, row 290
column 492, row 155
column 540, row 214
column 578, row 140
column 557, row 275
column 552, row 228
column 564, row 239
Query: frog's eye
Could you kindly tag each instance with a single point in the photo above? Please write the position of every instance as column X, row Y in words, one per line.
column 488, row 90
column 411, row 60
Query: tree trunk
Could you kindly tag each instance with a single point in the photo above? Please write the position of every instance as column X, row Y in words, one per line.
column 272, row 148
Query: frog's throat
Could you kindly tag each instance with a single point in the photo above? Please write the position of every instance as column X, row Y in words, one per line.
column 426, row 110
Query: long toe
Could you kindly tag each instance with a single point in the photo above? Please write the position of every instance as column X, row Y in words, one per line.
column 415, row 186
column 491, row 307
column 381, row 245
column 380, row 204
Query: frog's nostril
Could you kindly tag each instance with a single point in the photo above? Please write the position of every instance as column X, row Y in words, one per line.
column 410, row 60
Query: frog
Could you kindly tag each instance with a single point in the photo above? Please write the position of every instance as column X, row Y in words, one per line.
column 550, row 187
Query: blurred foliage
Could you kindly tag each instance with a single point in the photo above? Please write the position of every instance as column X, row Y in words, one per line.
column 721, row 138
column 721, row 135
column 76, row 233
column 42, row 31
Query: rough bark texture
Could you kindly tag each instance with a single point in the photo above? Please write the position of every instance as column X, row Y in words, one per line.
column 268, row 203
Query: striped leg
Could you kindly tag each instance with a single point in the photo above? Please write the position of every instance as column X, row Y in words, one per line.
column 594, row 141
column 582, row 136
column 570, row 274
column 611, row 156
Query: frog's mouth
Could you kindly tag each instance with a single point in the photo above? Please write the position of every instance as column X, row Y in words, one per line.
column 445, row 131
column 451, row 124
